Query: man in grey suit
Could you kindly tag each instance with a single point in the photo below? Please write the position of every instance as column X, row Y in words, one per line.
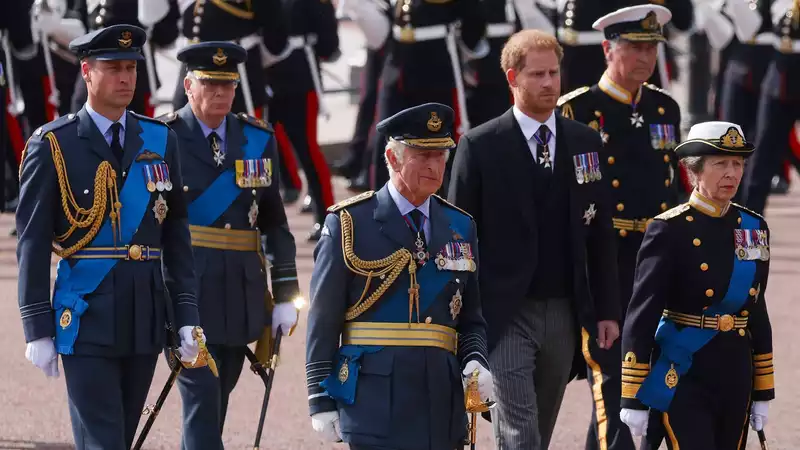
column 548, row 262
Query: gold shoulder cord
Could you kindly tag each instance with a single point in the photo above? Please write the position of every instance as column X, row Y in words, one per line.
column 392, row 265
column 105, row 180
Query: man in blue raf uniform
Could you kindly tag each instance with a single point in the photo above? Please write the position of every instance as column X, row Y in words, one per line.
column 233, row 199
column 100, row 189
column 403, row 296
column 640, row 128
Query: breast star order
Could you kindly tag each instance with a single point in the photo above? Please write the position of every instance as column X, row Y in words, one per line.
column 589, row 214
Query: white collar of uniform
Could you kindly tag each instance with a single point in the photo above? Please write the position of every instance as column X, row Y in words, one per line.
column 406, row 206
column 530, row 126
column 103, row 123
column 707, row 206
column 616, row 91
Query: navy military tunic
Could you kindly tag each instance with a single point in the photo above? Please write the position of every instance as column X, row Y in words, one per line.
column 390, row 395
column 699, row 265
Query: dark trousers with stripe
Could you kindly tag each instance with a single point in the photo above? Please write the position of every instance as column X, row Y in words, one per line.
column 106, row 397
column 531, row 367
column 205, row 398
column 294, row 115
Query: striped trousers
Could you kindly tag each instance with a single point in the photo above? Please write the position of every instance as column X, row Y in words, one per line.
column 531, row 367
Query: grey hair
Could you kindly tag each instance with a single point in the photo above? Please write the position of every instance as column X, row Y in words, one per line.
column 398, row 149
column 612, row 46
column 694, row 167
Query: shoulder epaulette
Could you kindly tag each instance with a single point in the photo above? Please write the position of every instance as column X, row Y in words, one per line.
column 653, row 87
column 255, row 121
column 54, row 125
column 147, row 118
column 748, row 211
column 570, row 95
column 351, row 201
column 168, row 118
column 446, row 203
column 674, row 212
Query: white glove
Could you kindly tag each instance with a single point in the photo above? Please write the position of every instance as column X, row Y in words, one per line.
column 636, row 420
column 42, row 353
column 284, row 315
column 190, row 348
column 758, row 415
column 327, row 424
column 485, row 383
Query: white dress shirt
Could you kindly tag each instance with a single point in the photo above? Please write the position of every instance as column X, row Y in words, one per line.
column 406, row 207
column 530, row 126
column 104, row 125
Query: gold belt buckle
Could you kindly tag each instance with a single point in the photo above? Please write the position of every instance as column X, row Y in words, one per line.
column 407, row 34
column 135, row 252
column 725, row 322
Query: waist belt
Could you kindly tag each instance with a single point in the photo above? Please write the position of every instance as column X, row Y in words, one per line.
column 577, row 38
column 495, row 30
column 129, row 252
column 725, row 322
column 766, row 38
column 639, row 225
column 392, row 334
column 787, row 45
column 419, row 34
column 224, row 239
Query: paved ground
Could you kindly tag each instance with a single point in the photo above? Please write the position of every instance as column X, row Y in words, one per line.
column 34, row 414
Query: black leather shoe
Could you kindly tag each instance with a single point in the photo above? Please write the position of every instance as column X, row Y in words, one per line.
column 307, row 207
column 316, row 233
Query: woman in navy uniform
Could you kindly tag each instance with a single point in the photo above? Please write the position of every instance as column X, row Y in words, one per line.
column 697, row 341
column 232, row 194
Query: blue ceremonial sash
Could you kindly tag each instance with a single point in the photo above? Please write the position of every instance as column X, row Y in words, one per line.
column 73, row 283
column 219, row 196
column 678, row 346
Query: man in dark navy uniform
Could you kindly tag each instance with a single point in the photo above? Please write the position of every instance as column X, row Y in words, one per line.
column 231, row 189
column 100, row 188
column 297, row 99
column 401, row 297
column 640, row 128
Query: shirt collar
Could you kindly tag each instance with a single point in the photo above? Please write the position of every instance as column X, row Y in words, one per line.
column 617, row 92
column 220, row 130
column 530, row 126
column 404, row 205
column 706, row 206
column 103, row 123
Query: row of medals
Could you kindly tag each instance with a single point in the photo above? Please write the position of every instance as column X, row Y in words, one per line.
column 162, row 184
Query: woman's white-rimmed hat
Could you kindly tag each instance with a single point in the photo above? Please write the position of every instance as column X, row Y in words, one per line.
column 715, row 139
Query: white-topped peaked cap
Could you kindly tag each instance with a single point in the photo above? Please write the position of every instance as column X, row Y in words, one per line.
column 715, row 138
column 635, row 23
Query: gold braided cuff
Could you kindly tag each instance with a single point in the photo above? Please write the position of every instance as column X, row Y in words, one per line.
column 763, row 372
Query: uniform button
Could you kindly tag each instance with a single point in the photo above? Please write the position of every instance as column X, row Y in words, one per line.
column 85, row 191
column 689, row 218
column 696, row 242
column 568, row 22
column 611, row 160
column 254, row 192
column 428, row 319
column 458, row 280
column 745, row 313
column 709, row 292
column 739, row 220
column 98, row 20
column 661, row 110
column 199, row 10
column 666, row 183
column 663, row 206
column 198, row 19
column 753, row 292
column 615, row 183
column 406, row 8
column 623, row 233
column 102, row 11
column 620, row 207
column 570, row 13
column 741, row 332
column 227, row 226
column 407, row 18
column 186, row 189
column 704, row 267
column 195, row 29
column 124, row 174
column 666, row 158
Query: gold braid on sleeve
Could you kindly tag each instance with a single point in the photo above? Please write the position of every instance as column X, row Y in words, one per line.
column 388, row 268
column 105, row 189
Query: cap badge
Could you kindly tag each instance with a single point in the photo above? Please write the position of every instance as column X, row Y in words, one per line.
column 220, row 58
column 650, row 22
column 732, row 139
column 126, row 40
column 434, row 123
